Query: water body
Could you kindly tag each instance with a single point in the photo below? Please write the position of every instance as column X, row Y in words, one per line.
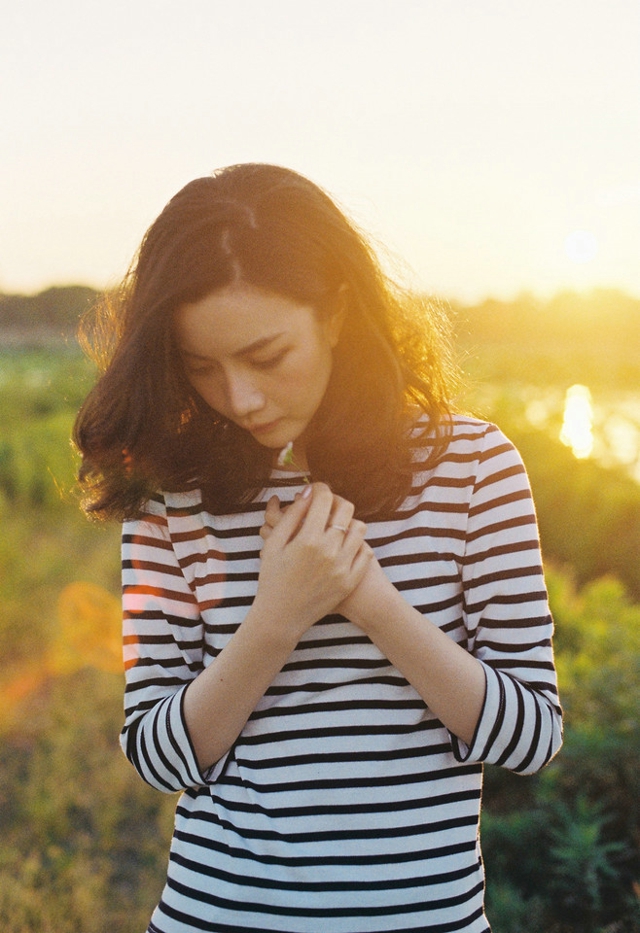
column 605, row 426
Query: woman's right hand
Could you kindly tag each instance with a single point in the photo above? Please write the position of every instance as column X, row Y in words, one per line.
column 309, row 564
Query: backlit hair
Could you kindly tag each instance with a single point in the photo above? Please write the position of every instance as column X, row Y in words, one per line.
column 143, row 427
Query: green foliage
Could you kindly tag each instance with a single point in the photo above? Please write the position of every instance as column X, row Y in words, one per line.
column 40, row 553
column 584, row 862
column 515, row 914
column 524, row 354
column 41, row 393
column 83, row 842
column 589, row 514
column 45, row 542
column 566, row 843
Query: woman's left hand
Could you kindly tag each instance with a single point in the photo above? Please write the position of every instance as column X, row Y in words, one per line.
column 449, row 679
column 357, row 606
column 341, row 514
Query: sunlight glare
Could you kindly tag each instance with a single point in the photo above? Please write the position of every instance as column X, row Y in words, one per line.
column 581, row 246
column 577, row 425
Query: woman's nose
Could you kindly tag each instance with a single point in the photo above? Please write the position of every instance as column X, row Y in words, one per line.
column 245, row 395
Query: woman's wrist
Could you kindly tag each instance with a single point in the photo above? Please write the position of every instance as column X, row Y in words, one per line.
column 273, row 632
column 373, row 603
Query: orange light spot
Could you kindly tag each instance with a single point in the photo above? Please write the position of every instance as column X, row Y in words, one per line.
column 90, row 623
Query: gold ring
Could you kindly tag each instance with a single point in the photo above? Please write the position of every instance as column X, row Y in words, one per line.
column 340, row 528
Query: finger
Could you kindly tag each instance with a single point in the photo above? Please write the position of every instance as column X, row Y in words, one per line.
column 353, row 540
column 317, row 517
column 273, row 512
column 352, row 536
column 290, row 519
column 341, row 514
column 357, row 530
column 266, row 531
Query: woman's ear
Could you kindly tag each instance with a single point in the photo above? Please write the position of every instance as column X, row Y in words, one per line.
column 336, row 318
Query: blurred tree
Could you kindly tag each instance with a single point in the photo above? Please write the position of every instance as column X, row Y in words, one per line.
column 27, row 319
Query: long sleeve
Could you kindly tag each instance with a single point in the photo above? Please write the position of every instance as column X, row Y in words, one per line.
column 507, row 617
column 162, row 653
column 342, row 763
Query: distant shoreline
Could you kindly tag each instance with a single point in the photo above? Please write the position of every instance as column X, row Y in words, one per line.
column 37, row 338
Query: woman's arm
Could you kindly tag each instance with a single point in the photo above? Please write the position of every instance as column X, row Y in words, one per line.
column 449, row 679
column 498, row 699
column 307, row 568
column 163, row 653
column 180, row 717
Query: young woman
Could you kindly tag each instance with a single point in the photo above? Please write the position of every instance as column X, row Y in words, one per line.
column 324, row 692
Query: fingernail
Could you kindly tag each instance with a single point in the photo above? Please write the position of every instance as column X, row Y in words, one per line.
column 307, row 492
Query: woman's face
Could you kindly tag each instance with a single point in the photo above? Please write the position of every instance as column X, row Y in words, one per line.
column 259, row 359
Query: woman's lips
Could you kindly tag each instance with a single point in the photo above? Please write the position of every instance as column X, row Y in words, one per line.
column 264, row 428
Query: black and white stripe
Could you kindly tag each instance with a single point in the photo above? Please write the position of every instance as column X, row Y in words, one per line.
column 344, row 806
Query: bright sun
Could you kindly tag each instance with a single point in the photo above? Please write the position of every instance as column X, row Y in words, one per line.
column 581, row 246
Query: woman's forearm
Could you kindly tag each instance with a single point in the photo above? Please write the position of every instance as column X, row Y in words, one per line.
column 218, row 703
column 450, row 680
column 307, row 568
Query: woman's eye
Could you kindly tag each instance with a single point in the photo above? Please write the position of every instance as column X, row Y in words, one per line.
column 270, row 361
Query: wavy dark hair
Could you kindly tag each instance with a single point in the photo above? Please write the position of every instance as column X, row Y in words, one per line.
column 144, row 428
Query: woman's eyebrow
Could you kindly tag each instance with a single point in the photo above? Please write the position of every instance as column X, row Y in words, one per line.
column 259, row 344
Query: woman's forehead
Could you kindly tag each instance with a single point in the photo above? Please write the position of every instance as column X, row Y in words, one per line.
column 238, row 319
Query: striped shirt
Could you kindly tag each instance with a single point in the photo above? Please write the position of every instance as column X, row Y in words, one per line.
column 345, row 806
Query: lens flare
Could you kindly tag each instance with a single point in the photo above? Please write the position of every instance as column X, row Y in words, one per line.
column 88, row 635
column 89, row 621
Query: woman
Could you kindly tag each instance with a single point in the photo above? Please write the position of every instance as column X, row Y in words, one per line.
column 324, row 692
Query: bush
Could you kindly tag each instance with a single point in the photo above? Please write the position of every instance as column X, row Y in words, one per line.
column 84, row 841
column 567, row 843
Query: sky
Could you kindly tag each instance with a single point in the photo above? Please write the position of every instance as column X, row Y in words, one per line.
column 489, row 147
